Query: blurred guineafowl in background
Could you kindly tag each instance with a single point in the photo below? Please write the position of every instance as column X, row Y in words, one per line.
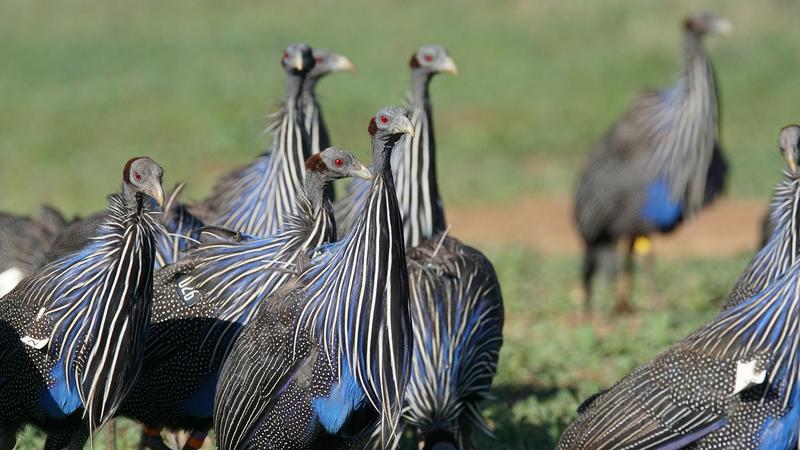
column 202, row 302
column 324, row 362
column 24, row 242
column 781, row 249
column 257, row 198
column 456, row 301
column 72, row 334
column 659, row 164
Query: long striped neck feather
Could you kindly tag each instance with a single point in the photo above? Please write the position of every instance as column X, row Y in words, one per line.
column 95, row 306
column 781, row 250
column 684, row 151
column 265, row 193
column 357, row 298
column 414, row 168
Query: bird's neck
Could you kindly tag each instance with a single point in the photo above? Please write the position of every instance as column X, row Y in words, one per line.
column 781, row 250
column 294, row 90
column 415, row 170
column 359, row 288
column 420, row 82
column 698, row 73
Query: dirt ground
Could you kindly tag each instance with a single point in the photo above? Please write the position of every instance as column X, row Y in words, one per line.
column 730, row 226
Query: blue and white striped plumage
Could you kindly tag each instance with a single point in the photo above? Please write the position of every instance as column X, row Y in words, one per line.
column 731, row 384
column 326, row 360
column 202, row 302
column 256, row 199
column 456, row 300
column 73, row 333
column 457, row 314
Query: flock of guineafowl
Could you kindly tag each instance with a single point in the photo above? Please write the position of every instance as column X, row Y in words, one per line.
column 286, row 317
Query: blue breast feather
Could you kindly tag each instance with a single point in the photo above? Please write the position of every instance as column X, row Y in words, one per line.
column 58, row 401
column 783, row 432
column 201, row 403
column 659, row 208
column 345, row 397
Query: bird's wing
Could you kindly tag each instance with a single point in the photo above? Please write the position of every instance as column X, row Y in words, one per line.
column 668, row 404
column 258, row 368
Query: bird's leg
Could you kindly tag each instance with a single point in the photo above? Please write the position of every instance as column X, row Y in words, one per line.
column 111, row 429
column 589, row 266
column 643, row 247
column 623, row 305
column 151, row 438
column 196, row 440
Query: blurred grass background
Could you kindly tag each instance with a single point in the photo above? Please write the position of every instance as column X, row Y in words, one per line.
column 86, row 84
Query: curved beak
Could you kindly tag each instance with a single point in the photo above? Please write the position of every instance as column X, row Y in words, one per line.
column 362, row 171
column 406, row 126
column 296, row 62
column 343, row 64
column 449, row 66
column 723, row 26
column 791, row 159
column 156, row 192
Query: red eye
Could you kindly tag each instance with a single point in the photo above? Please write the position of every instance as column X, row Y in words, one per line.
column 285, row 55
column 318, row 59
column 137, row 176
column 339, row 163
column 384, row 120
column 427, row 58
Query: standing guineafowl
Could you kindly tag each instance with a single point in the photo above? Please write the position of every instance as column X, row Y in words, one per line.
column 658, row 165
column 325, row 361
column 72, row 334
column 256, row 199
column 24, row 242
column 456, row 301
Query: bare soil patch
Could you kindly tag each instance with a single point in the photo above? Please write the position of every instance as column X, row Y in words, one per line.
column 729, row 227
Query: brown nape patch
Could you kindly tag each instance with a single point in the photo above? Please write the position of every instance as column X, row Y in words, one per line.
column 126, row 171
column 316, row 164
column 688, row 24
column 373, row 127
column 414, row 63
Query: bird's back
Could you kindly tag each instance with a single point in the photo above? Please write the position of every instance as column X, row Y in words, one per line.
column 457, row 316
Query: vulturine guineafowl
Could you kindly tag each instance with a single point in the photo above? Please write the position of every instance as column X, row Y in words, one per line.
column 325, row 361
column 257, row 198
column 781, row 249
column 202, row 302
column 72, row 335
column 659, row 164
column 731, row 384
column 456, row 301
column 24, row 242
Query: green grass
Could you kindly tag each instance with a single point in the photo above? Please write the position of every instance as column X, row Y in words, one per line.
column 86, row 84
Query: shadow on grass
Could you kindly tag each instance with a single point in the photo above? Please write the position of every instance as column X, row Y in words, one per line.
column 527, row 416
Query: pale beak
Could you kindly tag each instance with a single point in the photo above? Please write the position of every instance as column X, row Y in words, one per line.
column 406, row 126
column 297, row 62
column 723, row 26
column 449, row 66
column 157, row 193
column 362, row 172
column 344, row 65
column 791, row 160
